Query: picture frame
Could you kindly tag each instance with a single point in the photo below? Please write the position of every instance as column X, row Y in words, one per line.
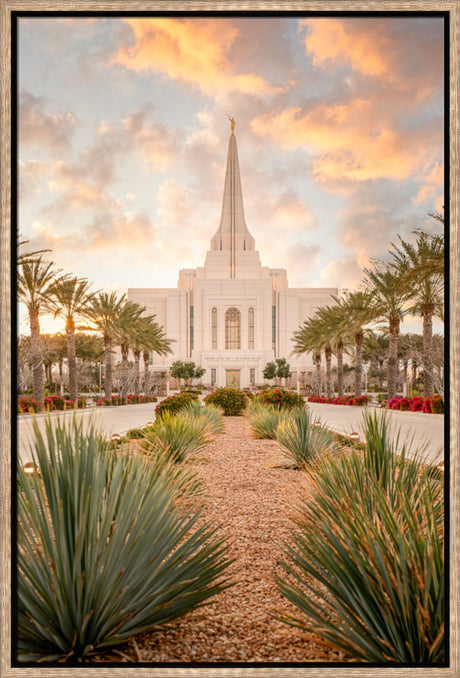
column 8, row 10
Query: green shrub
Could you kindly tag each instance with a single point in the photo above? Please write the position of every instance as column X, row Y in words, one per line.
column 265, row 419
column 58, row 403
column 437, row 404
column 108, row 548
column 175, row 438
column 174, row 403
column 366, row 564
column 231, row 401
column 303, row 440
column 281, row 398
column 134, row 434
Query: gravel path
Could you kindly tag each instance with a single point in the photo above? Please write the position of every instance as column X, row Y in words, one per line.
column 254, row 501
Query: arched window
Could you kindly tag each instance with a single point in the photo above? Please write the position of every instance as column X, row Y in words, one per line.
column 214, row 327
column 251, row 328
column 232, row 328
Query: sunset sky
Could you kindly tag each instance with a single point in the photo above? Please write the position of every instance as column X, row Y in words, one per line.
column 123, row 134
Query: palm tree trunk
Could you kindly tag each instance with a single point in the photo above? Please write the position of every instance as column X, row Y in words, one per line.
column 359, row 337
column 146, row 357
column 393, row 357
column 37, row 359
column 318, row 372
column 427, row 355
column 124, row 372
column 328, row 354
column 137, row 358
column 340, row 368
column 71, row 359
column 108, row 367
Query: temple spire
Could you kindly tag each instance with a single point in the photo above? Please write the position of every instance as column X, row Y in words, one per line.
column 232, row 235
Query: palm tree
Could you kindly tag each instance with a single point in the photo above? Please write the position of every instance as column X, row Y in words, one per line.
column 147, row 336
column 104, row 312
column 309, row 338
column 55, row 350
column 35, row 282
column 375, row 352
column 124, row 337
column 424, row 280
column 333, row 320
column 27, row 257
column 410, row 348
column 357, row 312
column 386, row 284
column 73, row 299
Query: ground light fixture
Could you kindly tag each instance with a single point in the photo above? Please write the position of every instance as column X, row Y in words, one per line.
column 354, row 437
column 31, row 468
column 115, row 437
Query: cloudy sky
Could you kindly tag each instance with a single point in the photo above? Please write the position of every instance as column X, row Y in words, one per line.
column 123, row 134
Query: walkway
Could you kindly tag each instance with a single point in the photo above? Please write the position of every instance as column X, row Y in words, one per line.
column 109, row 419
column 425, row 428
column 254, row 501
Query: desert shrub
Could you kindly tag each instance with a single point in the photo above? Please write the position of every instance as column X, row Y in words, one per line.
column 81, row 403
column 303, row 440
column 265, row 419
column 175, row 438
column 174, row 403
column 231, row 401
column 366, row 564
column 210, row 414
column 281, row 398
column 108, row 548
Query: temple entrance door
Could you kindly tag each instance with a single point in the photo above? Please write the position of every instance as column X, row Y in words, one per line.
column 233, row 378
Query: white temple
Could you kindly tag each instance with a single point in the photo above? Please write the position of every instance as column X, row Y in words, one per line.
column 232, row 316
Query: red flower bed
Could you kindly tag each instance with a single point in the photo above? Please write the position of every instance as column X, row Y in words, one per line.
column 435, row 404
column 351, row 400
column 28, row 404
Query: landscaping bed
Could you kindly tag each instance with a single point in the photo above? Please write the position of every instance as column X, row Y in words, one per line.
column 254, row 500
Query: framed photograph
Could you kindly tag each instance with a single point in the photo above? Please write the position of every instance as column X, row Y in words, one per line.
column 229, row 338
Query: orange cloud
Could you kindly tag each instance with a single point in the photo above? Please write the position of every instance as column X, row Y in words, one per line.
column 348, row 140
column 332, row 40
column 196, row 52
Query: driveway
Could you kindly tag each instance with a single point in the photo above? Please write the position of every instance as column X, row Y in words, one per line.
column 425, row 428
column 108, row 419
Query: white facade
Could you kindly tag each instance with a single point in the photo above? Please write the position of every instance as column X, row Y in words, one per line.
column 232, row 315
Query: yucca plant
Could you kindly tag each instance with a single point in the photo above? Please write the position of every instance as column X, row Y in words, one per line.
column 104, row 551
column 175, row 437
column 304, row 440
column 366, row 565
column 265, row 419
column 211, row 414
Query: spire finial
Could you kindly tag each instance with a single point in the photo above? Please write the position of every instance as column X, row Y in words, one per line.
column 232, row 123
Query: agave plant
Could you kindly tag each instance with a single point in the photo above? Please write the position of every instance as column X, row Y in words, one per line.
column 366, row 563
column 304, row 440
column 265, row 419
column 175, row 438
column 211, row 414
column 104, row 550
